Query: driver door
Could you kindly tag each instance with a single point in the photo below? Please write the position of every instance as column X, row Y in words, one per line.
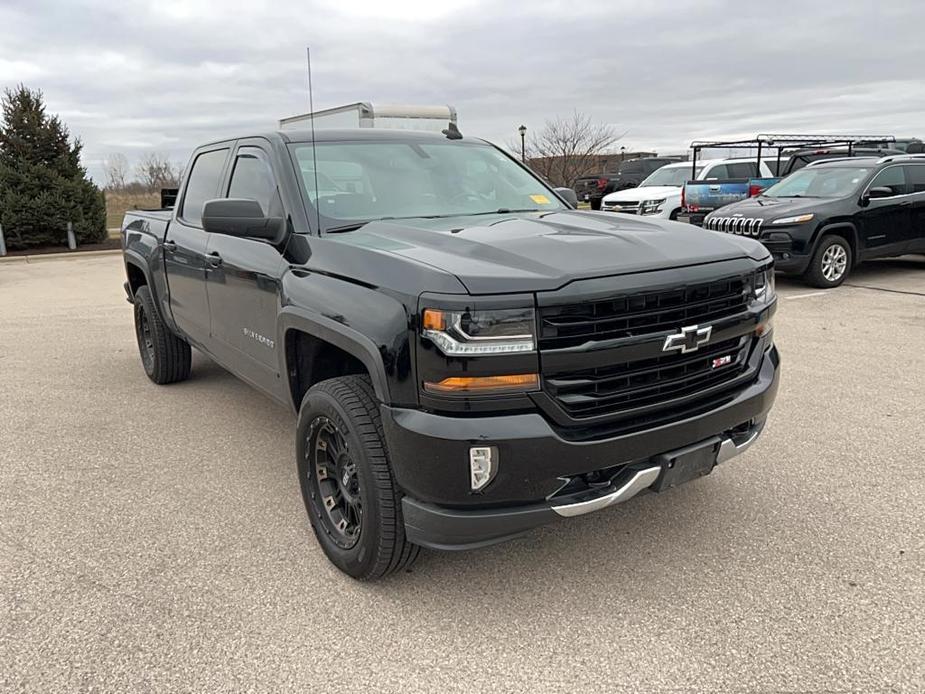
column 244, row 282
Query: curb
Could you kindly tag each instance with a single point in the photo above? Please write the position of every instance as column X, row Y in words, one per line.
column 71, row 255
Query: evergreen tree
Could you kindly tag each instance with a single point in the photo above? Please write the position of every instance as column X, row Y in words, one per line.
column 42, row 184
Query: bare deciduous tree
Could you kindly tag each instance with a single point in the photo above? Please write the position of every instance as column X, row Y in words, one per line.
column 567, row 147
column 116, row 168
column 155, row 171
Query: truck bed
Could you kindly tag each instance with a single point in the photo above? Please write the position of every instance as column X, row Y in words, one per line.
column 147, row 222
column 161, row 214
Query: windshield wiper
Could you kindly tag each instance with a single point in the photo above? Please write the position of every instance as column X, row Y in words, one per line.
column 501, row 210
column 359, row 225
column 346, row 228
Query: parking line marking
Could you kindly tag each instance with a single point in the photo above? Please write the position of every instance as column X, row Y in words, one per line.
column 805, row 296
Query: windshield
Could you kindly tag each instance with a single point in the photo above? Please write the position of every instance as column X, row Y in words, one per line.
column 365, row 181
column 673, row 176
column 831, row 182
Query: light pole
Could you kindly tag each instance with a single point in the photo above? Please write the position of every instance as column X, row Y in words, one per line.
column 523, row 147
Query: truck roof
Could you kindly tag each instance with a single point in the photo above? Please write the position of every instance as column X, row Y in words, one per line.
column 341, row 134
column 710, row 162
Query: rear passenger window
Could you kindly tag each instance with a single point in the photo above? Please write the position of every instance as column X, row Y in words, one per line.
column 718, row 171
column 892, row 178
column 742, row 170
column 915, row 178
column 252, row 178
column 203, row 184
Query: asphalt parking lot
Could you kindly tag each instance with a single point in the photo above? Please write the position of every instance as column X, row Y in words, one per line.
column 154, row 538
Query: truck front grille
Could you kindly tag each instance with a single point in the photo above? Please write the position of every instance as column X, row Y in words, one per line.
column 642, row 313
column 605, row 359
column 640, row 384
column 629, row 206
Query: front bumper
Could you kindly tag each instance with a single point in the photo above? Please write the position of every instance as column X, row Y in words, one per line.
column 429, row 456
column 789, row 262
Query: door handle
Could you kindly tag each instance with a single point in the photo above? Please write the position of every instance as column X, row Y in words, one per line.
column 170, row 246
column 906, row 203
column 214, row 259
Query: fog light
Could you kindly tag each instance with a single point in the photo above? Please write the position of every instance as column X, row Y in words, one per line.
column 482, row 466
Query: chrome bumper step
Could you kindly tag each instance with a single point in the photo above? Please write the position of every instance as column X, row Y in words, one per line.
column 645, row 477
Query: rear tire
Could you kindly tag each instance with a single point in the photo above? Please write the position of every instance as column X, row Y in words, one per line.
column 347, row 485
column 831, row 263
column 166, row 358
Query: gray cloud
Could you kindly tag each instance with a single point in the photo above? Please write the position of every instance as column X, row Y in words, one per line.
column 137, row 76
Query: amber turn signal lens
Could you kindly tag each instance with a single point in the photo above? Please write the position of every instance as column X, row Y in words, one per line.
column 484, row 384
column 434, row 320
column 762, row 329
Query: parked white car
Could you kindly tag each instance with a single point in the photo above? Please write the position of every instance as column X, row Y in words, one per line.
column 659, row 195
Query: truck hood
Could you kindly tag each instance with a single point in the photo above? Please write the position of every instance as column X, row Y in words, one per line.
column 644, row 193
column 773, row 208
column 504, row 253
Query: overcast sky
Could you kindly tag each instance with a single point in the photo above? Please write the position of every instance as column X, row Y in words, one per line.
column 164, row 75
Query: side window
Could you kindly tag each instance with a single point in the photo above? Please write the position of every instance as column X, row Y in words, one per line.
column 718, row 171
column 892, row 178
column 252, row 178
column 915, row 177
column 742, row 169
column 204, row 180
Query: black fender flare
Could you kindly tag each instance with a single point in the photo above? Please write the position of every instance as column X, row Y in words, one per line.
column 854, row 239
column 339, row 335
column 135, row 258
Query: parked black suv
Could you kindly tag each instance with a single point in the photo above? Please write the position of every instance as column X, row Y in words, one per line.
column 804, row 157
column 629, row 174
column 469, row 357
column 827, row 217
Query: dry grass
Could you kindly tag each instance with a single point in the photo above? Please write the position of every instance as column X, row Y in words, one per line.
column 118, row 203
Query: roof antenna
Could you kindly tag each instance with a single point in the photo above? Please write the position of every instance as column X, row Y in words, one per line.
column 452, row 132
column 311, row 118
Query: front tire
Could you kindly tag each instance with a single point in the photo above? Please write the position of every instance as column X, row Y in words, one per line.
column 347, row 485
column 831, row 263
column 166, row 358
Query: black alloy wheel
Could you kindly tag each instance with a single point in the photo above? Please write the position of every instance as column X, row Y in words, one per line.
column 334, row 482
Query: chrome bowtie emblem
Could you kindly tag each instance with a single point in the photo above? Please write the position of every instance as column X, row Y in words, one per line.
column 688, row 340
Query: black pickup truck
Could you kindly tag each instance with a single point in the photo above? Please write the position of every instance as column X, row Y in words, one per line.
column 469, row 357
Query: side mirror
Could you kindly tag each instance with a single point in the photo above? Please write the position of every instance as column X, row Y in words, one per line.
column 569, row 195
column 880, row 192
column 240, row 217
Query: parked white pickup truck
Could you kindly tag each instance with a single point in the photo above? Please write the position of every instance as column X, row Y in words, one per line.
column 659, row 195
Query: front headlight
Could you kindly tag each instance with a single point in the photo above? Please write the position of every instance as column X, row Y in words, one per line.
column 765, row 290
column 799, row 219
column 471, row 333
column 651, row 206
